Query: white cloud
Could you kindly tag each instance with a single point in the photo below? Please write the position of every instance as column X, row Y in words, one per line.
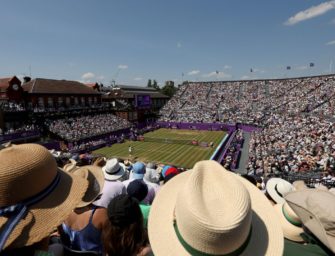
column 193, row 72
column 138, row 79
column 216, row 74
column 258, row 70
column 226, row 67
column 122, row 66
column 311, row 12
column 331, row 43
column 87, row 76
column 179, row 45
column 245, row 77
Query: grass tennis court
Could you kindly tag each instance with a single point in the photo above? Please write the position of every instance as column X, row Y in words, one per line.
column 181, row 155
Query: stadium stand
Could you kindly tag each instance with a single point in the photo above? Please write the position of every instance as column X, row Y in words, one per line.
column 291, row 123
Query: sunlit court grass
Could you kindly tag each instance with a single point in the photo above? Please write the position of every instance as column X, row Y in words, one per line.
column 169, row 148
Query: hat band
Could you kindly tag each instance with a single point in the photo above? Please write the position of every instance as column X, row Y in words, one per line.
column 114, row 171
column 195, row 252
column 289, row 219
column 280, row 194
column 17, row 211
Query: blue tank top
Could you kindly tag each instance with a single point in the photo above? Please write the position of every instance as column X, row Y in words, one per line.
column 87, row 239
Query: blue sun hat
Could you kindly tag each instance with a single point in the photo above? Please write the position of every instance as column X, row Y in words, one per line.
column 137, row 171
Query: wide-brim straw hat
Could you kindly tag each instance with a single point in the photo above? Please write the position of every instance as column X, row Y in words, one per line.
column 320, row 186
column 316, row 209
column 290, row 222
column 215, row 212
column 299, row 185
column 70, row 167
column 277, row 188
column 114, row 170
column 28, row 170
column 96, row 179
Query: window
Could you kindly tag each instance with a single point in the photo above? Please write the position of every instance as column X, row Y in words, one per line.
column 40, row 101
column 50, row 102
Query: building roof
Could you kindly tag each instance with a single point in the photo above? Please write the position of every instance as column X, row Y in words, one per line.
column 135, row 88
column 91, row 84
column 51, row 86
column 4, row 82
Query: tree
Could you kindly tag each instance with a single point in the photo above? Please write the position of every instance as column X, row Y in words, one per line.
column 149, row 83
column 169, row 89
column 155, row 85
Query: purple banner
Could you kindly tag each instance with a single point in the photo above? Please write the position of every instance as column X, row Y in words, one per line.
column 209, row 126
column 52, row 145
column 198, row 126
column 19, row 136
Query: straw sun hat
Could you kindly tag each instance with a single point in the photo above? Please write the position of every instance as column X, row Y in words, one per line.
column 35, row 195
column 70, row 167
column 290, row 222
column 95, row 177
column 299, row 185
column 210, row 211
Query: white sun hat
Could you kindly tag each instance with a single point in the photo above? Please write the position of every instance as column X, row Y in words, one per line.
column 277, row 188
column 113, row 170
column 211, row 211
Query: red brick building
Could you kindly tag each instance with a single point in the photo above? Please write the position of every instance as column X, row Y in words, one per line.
column 11, row 90
column 50, row 93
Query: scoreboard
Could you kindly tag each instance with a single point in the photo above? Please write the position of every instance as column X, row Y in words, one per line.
column 142, row 101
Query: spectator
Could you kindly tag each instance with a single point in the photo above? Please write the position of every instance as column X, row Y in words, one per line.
column 139, row 190
column 209, row 210
column 114, row 173
column 82, row 229
column 33, row 187
column 74, row 129
column 277, row 188
column 316, row 209
column 137, row 173
column 124, row 234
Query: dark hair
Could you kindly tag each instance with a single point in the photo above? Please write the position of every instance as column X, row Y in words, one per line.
column 124, row 233
column 29, row 251
column 250, row 178
column 137, row 189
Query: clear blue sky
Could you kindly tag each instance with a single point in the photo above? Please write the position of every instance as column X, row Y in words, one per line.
column 132, row 41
